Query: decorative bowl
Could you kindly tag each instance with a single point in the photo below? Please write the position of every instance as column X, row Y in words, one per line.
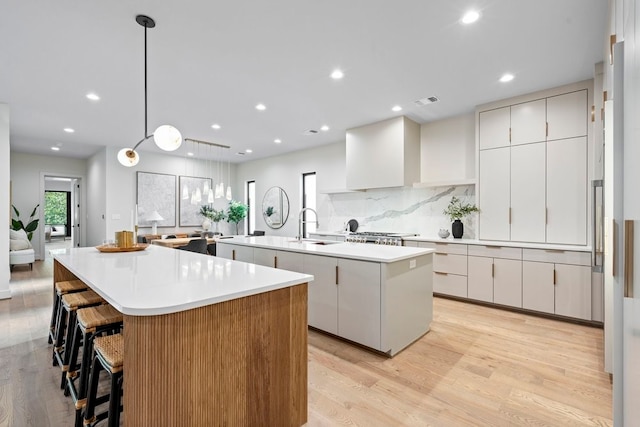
column 443, row 233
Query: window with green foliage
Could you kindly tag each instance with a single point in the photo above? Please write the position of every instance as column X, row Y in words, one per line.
column 55, row 207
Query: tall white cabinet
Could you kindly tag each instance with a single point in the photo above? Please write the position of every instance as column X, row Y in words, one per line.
column 533, row 170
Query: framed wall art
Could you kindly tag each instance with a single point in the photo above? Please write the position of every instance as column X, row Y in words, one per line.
column 156, row 192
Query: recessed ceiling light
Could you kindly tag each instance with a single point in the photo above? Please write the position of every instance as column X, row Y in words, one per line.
column 55, row 148
column 506, row 78
column 261, row 107
column 337, row 74
column 277, row 141
column 189, row 153
column 470, row 17
column 92, row 96
column 324, row 128
column 69, row 130
column 248, row 150
column 396, row 108
column 215, row 126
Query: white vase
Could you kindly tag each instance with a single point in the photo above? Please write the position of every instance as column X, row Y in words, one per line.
column 206, row 224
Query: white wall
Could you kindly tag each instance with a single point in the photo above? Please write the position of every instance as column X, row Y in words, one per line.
column 27, row 177
column 447, row 149
column 55, row 185
column 5, row 204
column 96, row 187
column 402, row 209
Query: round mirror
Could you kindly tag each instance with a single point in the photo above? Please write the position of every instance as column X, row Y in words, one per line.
column 275, row 207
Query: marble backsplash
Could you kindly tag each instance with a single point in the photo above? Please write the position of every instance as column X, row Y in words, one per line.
column 401, row 210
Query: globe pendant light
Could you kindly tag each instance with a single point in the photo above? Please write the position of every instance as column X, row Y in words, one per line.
column 166, row 137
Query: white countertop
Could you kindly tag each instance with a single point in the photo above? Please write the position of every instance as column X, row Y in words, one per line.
column 161, row 280
column 500, row 243
column 359, row 251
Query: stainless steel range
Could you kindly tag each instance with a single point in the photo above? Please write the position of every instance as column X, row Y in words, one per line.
column 378, row 238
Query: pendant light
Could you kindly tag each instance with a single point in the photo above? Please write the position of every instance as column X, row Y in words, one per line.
column 166, row 137
column 229, row 197
column 185, row 187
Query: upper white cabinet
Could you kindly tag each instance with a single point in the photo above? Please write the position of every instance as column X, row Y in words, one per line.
column 383, row 154
column 567, row 115
column 533, row 187
column 494, row 128
column 528, row 122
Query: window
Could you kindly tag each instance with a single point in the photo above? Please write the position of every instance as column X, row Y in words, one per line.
column 56, row 207
column 309, row 201
column 251, row 203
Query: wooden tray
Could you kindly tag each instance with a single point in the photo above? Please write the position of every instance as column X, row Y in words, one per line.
column 137, row 247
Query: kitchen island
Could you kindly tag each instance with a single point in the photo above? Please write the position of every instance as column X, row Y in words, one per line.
column 208, row 341
column 374, row 295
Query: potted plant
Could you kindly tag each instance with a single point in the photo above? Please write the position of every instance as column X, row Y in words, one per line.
column 236, row 212
column 211, row 215
column 269, row 211
column 456, row 211
column 17, row 224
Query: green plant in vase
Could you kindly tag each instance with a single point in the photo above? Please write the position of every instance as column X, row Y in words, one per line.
column 236, row 212
column 456, row 211
column 212, row 214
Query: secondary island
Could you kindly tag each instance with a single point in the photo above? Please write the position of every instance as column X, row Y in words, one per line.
column 377, row 296
column 208, row 341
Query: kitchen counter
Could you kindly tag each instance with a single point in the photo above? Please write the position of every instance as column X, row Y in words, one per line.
column 356, row 251
column 208, row 340
column 499, row 243
column 160, row 280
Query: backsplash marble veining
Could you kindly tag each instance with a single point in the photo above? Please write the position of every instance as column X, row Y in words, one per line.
column 406, row 210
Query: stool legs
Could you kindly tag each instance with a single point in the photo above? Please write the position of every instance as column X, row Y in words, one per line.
column 90, row 418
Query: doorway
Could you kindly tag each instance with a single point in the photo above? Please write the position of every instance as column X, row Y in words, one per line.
column 60, row 213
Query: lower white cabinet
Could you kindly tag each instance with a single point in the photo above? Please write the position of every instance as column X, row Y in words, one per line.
column 495, row 280
column 562, row 289
column 480, row 278
column 284, row 260
column 235, row 252
column 344, row 298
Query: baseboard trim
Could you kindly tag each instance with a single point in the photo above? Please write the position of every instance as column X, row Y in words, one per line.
column 5, row 294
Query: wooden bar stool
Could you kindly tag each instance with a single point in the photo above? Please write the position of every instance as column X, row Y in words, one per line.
column 109, row 355
column 67, row 316
column 62, row 288
column 90, row 323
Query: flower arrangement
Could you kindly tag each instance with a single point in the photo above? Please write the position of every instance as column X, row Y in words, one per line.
column 458, row 210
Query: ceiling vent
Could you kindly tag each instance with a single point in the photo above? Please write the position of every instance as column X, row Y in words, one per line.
column 425, row 101
column 241, row 153
column 310, row 132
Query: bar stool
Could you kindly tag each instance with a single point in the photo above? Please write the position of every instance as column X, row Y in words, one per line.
column 62, row 288
column 67, row 316
column 90, row 323
column 109, row 355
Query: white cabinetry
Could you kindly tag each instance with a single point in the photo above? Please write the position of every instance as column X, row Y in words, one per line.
column 495, row 274
column 284, row 260
column 383, row 154
column 494, row 188
column 323, row 292
column 449, row 268
column 557, row 282
column 567, row 191
column 533, row 188
column 235, row 252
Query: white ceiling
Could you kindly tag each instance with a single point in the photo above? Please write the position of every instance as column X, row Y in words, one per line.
column 213, row 61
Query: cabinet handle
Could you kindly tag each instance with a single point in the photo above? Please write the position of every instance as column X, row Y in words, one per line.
column 547, row 130
column 554, row 276
column 493, row 270
column 440, row 273
column 275, row 262
column 546, row 216
column 593, row 113
column 441, row 253
column 233, row 254
column 554, row 251
column 628, row 258
column 337, row 275
column 509, row 215
column 509, row 134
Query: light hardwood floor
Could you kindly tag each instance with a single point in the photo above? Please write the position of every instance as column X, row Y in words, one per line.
column 477, row 366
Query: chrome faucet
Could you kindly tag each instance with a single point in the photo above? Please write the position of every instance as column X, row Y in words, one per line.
column 300, row 221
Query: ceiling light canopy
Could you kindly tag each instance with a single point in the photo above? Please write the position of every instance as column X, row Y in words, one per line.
column 470, row 17
column 166, row 137
column 506, row 77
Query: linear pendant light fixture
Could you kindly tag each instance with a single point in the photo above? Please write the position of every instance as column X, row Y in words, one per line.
column 166, row 137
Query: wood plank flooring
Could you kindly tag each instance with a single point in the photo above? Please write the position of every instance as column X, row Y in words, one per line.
column 476, row 367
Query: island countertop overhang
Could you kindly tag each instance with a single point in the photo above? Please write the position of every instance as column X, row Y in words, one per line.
column 160, row 280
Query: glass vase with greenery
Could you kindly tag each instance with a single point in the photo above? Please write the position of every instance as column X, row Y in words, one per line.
column 236, row 212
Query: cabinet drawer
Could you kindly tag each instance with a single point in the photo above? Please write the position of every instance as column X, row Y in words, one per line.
column 452, row 264
column 450, row 284
column 557, row 256
column 450, row 248
column 495, row 251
